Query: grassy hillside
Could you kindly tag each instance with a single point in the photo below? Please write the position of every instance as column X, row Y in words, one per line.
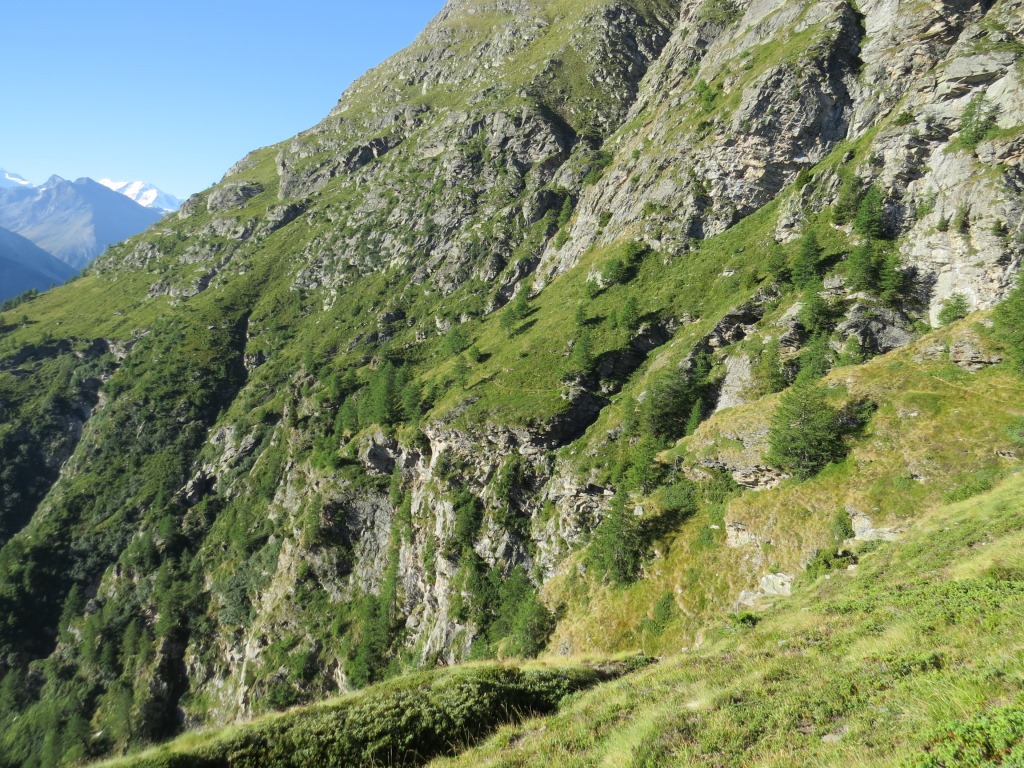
column 909, row 654
column 512, row 355
column 404, row 722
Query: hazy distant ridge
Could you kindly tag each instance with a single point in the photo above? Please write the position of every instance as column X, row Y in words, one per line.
column 74, row 221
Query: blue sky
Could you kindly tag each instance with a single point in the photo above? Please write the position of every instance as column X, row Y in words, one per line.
column 174, row 93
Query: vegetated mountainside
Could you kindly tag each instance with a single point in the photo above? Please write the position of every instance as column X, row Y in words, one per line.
column 879, row 659
column 573, row 328
column 25, row 267
column 73, row 221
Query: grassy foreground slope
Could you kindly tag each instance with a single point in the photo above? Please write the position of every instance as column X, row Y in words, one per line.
column 401, row 722
column 912, row 657
column 939, row 434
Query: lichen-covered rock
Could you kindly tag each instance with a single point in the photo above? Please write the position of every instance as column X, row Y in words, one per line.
column 233, row 194
column 738, row 379
column 969, row 353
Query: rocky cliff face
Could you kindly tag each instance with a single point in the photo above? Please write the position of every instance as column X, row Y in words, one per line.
column 327, row 450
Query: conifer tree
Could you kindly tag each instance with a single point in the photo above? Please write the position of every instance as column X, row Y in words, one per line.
column 862, row 268
column 768, row 374
column 615, row 550
column 805, row 433
column 870, row 218
column 1009, row 326
column 808, row 256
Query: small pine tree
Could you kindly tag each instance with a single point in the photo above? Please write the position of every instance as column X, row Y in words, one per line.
column 777, row 267
column 517, row 310
column 411, row 401
column 806, row 432
column 616, row 547
column 768, row 374
column 1009, row 326
column 695, row 417
column 977, row 121
column 862, row 269
column 869, row 220
column 961, row 222
column 615, row 272
column 815, row 360
column 381, row 397
column 629, row 315
column 954, row 308
column 892, row 280
column 847, row 200
column 853, row 352
column 806, row 265
column 645, row 471
column 580, row 315
column 566, row 213
column 461, row 372
column 582, row 357
column 455, row 340
column 816, row 315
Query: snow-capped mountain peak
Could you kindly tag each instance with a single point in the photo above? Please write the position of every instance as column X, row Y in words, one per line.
column 8, row 180
column 144, row 194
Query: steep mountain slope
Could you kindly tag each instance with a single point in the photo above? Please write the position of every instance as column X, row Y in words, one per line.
column 24, row 266
column 74, row 221
column 882, row 662
column 487, row 362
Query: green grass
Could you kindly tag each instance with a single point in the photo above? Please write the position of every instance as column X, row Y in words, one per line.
column 882, row 665
column 402, row 722
column 939, row 434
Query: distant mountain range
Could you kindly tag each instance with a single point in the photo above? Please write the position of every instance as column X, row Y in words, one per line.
column 8, row 179
column 144, row 194
column 67, row 224
column 24, row 265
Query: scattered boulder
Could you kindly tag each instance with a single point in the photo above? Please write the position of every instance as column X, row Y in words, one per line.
column 864, row 529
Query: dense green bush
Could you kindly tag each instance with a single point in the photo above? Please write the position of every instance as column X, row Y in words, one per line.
column 954, row 308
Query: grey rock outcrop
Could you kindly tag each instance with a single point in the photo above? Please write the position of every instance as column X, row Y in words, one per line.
column 968, row 352
column 232, row 195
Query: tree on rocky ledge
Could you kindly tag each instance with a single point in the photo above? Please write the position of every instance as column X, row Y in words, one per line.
column 806, row 432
